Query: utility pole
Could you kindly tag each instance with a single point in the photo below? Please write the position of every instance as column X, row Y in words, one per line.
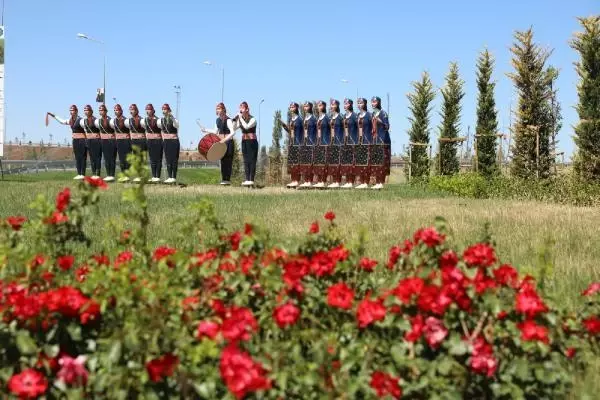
column 178, row 102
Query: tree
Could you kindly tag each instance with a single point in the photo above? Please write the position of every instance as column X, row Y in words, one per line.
column 487, row 117
column 533, row 127
column 452, row 94
column 236, row 167
column 555, row 115
column 587, row 130
column 275, row 163
column 420, row 107
column 261, row 167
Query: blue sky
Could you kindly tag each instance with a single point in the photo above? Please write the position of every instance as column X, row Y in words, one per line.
column 276, row 50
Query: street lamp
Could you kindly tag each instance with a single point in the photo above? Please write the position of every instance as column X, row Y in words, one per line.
column 86, row 37
column 259, row 104
column 178, row 93
column 209, row 64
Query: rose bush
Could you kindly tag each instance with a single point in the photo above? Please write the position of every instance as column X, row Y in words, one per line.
column 239, row 316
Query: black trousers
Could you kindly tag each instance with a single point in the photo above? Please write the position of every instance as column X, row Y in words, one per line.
column 227, row 162
column 80, row 151
column 172, row 156
column 155, row 151
column 95, row 149
column 123, row 149
column 109, row 151
column 250, row 153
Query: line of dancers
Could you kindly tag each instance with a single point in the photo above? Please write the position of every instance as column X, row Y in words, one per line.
column 108, row 137
column 324, row 148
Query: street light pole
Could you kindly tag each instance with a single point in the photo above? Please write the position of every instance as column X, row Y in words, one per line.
column 259, row 104
column 178, row 93
column 86, row 37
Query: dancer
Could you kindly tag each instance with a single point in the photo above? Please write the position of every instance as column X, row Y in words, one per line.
column 225, row 128
column 361, row 156
column 351, row 141
column 295, row 130
column 109, row 143
column 247, row 123
column 335, row 149
column 92, row 133
column 380, row 148
column 321, row 147
column 310, row 141
column 119, row 124
column 137, row 132
column 169, row 127
column 155, row 144
column 78, row 139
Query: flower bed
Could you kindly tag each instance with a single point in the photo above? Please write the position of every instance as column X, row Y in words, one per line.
column 237, row 315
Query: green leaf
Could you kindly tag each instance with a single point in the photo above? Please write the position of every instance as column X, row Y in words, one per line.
column 458, row 347
column 25, row 343
column 114, row 354
column 445, row 365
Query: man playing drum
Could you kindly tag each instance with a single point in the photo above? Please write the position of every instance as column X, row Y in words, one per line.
column 225, row 128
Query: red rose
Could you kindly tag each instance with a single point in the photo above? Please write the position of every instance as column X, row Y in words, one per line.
column 417, row 326
column 286, row 315
column 322, row 264
column 314, row 227
column 528, row 302
column 448, row 259
column 429, row 236
column 238, row 324
column 339, row 253
column 434, row 300
column 479, row 255
column 163, row 252
column 247, row 229
column 329, row 216
column 482, row 358
column 125, row 235
column 102, row 259
column 294, row 271
column 501, row 315
column 592, row 325
column 592, row 289
column 65, row 262
column 246, row 263
column 234, row 240
column 451, row 274
column 530, row 331
column 123, row 258
column 435, row 332
column 16, row 222
column 369, row 312
column 393, row 256
column 162, row 367
column 506, row 275
column 63, row 199
column 340, row 295
column 367, row 264
column 38, row 260
column 56, row 218
column 407, row 288
column 81, row 273
column 96, row 182
column 570, row 352
column 29, row 384
column 72, row 371
column 385, row 385
column 240, row 373
column 47, row 276
column 483, row 282
column 208, row 329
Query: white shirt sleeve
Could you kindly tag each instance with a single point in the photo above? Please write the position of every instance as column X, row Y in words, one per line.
column 250, row 124
column 231, row 130
column 126, row 121
column 111, row 123
column 175, row 123
column 61, row 121
column 82, row 123
column 143, row 122
column 159, row 123
column 97, row 123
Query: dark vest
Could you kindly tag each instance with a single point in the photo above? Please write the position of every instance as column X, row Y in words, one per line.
column 120, row 125
column 249, row 130
column 152, row 125
column 168, row 126
column 135, row 126
column 75, row 125
column 105, row 125
column 89, row 125
column 222, row 127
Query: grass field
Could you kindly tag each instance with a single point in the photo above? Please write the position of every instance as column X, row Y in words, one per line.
column 527, row 233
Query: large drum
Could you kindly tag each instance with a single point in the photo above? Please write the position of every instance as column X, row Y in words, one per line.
column 211, row 148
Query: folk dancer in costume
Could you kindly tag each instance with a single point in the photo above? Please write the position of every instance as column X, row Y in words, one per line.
column 351, row 141
column 92, row 133
column 78, row 138
column 155, row 144
column 322, row 146
column 336, row 123
column 380, row 149
column 169, row 127
column 295, row 129
column 247, row 123
column 109, row 143
column 119, row 124
column 310, row 141
column 136, row 131
column 225, row 128
column 362, row 155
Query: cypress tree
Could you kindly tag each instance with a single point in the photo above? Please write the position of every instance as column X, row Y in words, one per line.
column 587, row 130
column 420, row 108
column 275, row 161
column 236, row 166
column 262, row 165
column 487, row 116
column 452, row 94
column 533, row 127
